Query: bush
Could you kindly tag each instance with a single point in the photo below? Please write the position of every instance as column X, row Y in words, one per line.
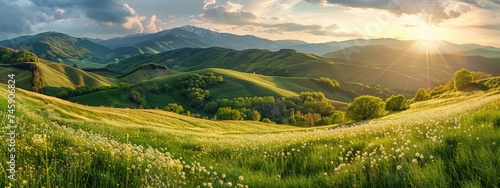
column 328, row 82
column 174, row 107
column 227, row 113
column 267, row 120
column 211, row 107
column 397, row 103
column 62, row 95
column 462, row 78
column 421, row 95
column 366, row 107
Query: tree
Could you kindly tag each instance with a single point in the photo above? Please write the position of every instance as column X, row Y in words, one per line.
column 227, row 113
column 255, row 115
column 397, row 103
column 211, row 107
column 62, row 95
column 174, row 107
column 462, row 78
column 421, row 95
column 366, row 107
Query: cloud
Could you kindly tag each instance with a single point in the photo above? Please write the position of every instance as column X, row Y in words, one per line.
column 228, row 13
column 18, row 17
column 111, row 11
column 488, row 26
column 410, row 25
column 151, row 25
column 206, row 3
column 233, row 14
column 431, row 11
column 27, row 16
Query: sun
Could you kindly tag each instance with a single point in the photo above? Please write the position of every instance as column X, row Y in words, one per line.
column 427, row 33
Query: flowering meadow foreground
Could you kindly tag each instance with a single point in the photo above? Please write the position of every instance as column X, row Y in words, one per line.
column 451, row 141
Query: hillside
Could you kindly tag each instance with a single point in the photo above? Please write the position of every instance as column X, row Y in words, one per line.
column 145, row 72
column 236, row 84
column 435, row 67
column 374, row 69
column 128, row 141
column 59, row 47
column 53, row 77
column 481, row 52
column 190, row 36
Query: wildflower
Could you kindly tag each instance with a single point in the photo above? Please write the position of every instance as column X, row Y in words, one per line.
column 240, row 178
column 414, row 161
column 229, row 184
column 223, row 176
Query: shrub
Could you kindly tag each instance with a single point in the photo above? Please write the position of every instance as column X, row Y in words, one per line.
column 462, row 78
column 366, row 107
column 227, row 113
column 421, row 95
column 267, row 120
column 211, row 107
column 397, row 103
column 174, row 107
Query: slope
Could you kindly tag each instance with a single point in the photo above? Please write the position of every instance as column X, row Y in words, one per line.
column 198, row 36
column 236, row 84
column 432, row 68
column 60, row 47
column 442, row 140
column 54, row 77
column 294, row 64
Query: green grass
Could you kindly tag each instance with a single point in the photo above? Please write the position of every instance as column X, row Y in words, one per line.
column 446, row 142
column 406, row 75
column 236, row 84
column 23, row 77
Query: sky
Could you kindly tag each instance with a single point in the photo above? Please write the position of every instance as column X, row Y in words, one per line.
column 314, row 21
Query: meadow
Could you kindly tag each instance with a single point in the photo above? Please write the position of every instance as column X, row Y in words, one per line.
column 451, row 141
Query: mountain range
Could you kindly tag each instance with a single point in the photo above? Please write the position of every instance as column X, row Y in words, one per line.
column 88, row 52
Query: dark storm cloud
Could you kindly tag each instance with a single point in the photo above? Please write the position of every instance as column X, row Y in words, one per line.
column 17, row 19
column 432, row 11
column 98, row 10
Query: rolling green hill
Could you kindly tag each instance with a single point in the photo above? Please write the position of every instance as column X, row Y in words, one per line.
column 430, row 68
column 58, row 47
column 236, row 84
column 146, row 72
column 53, row 77
column 293, row 64
column 445, row 142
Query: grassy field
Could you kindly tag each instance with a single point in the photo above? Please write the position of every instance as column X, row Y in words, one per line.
column 446, row 142
column 236, row 84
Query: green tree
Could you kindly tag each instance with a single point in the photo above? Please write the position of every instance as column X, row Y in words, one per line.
column 421, row 95
column 462, row 78
column 62, row 95
column 227, row 113
column 366, row 107
column 174, row 107
column 397, row 103
column 211, row 107
column 255, row 115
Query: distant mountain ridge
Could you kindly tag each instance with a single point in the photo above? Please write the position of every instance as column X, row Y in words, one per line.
column 90, row 52
column 59, row 47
